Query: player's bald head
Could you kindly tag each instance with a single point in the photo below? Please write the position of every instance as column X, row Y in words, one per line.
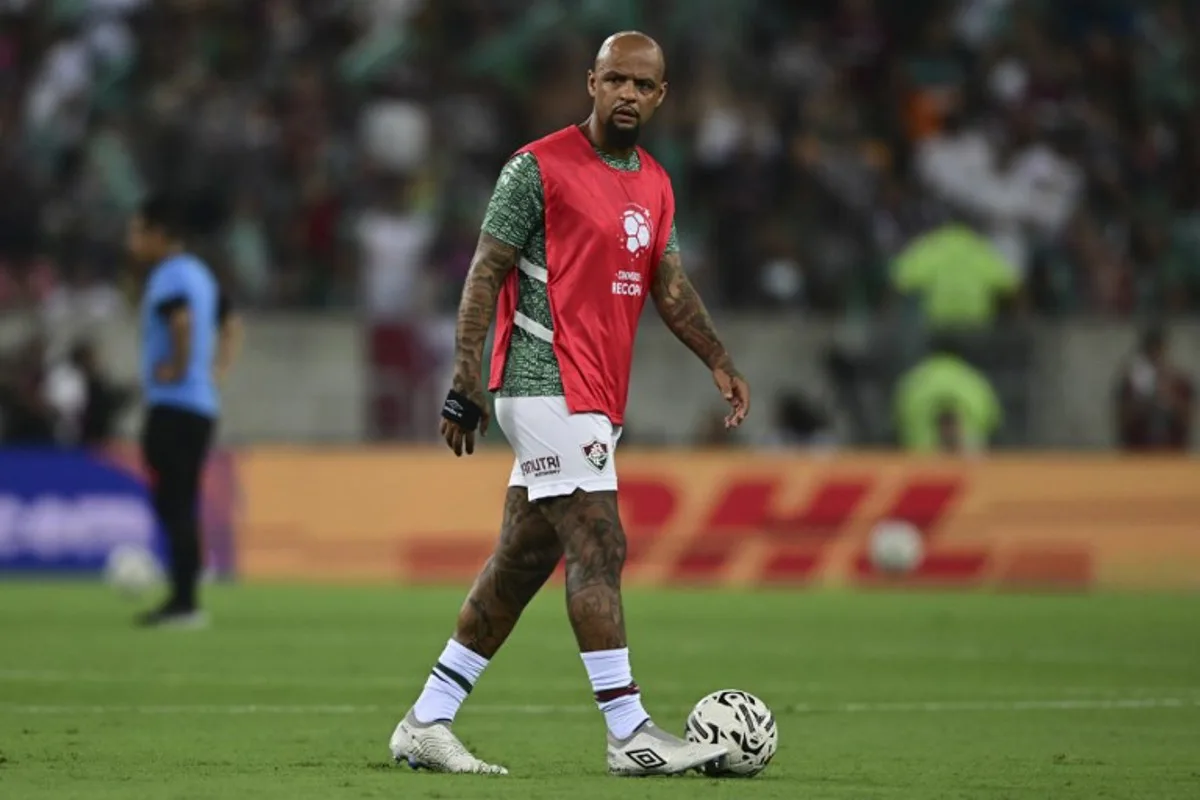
column 627, row 86
column 627, row 46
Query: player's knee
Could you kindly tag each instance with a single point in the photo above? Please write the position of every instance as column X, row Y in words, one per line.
column 532, row 563
column 528, row 547
column 515, row 577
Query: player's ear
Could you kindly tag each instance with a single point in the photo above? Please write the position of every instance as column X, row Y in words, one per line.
column 591, row 83
column 662, row 94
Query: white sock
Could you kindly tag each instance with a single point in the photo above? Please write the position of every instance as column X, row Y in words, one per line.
column 450, row 681
column 616, row 693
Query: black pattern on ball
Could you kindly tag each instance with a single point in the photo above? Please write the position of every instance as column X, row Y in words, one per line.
column 740, row 721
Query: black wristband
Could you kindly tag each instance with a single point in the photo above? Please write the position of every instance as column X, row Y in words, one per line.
column 462, row 411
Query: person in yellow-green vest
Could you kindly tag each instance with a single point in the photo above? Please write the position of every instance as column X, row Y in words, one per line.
column 959, row 278
column 944, row 404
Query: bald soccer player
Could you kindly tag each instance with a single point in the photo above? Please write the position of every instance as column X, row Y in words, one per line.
column 579, row 231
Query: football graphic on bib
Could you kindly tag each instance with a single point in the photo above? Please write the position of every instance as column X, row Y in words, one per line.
column 636, row 231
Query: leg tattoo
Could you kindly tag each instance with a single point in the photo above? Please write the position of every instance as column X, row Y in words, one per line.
column 528, row 551
column 589, row 528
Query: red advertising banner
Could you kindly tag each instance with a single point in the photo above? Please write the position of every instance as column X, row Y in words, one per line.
column 741, row 519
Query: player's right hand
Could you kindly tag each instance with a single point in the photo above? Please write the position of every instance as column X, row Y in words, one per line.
column 458, row 438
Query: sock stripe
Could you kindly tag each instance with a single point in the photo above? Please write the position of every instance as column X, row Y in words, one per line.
column 444, row 672
column 608, row 695
column 441, row 678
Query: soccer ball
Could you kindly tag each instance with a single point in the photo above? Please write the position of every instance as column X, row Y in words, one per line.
column 132, row 570
column 637, row 231
column 896, row 546
column 741, row 722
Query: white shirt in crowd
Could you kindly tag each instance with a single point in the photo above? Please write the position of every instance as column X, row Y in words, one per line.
column 394, row 250
column 1033, row 195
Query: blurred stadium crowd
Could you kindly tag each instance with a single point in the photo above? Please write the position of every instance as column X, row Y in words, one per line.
column 986, row 157
column 355, row 141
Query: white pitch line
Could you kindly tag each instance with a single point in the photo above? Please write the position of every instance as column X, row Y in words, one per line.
column 407, row 681
column 172, row 710
column 928, row 707
column 416, row 681
column 205, row 679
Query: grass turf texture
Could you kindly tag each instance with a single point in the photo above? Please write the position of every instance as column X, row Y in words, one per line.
column 294, row 692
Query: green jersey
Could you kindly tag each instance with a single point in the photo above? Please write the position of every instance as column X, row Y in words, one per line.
column 516, row 216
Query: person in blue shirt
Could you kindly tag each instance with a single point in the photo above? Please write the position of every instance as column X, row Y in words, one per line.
column 189, row 336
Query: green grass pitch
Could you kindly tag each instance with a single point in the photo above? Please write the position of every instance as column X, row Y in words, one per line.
column 293, row 693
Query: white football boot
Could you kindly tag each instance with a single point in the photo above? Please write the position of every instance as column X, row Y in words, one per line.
column 652, row 751
column 434, row 747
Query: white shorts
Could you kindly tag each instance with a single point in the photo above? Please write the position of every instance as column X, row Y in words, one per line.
column 557, row 451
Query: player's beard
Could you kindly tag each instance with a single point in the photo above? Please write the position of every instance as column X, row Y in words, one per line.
column 621, row 138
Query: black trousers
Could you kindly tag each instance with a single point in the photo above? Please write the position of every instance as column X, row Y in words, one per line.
column 175, row 444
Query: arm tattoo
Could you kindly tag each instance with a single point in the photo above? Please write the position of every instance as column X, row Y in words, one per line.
column 682, row 309
column 490, row 265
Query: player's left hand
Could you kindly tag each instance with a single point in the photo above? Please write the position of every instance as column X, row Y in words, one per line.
column 736, row 391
